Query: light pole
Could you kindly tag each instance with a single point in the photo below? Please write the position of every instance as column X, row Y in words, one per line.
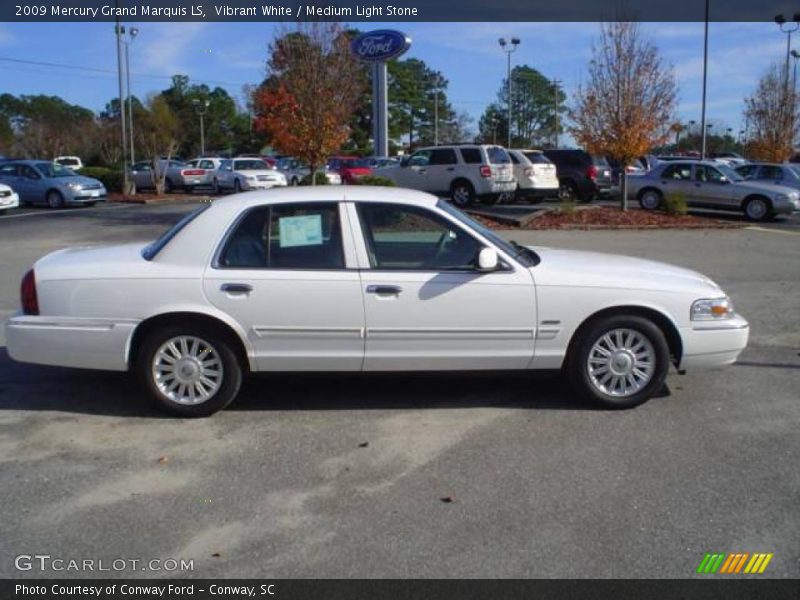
column 132, row 33
column 795, row 55
column 435, row 117
column 118, row 33
column 692, row 123
column 556, row 84
column 201, row 108
column 705, row 86
column 509, row 49
column 788, row 27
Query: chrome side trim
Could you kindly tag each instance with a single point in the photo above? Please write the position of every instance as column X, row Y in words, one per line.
column 327, row 332
column 427, row 333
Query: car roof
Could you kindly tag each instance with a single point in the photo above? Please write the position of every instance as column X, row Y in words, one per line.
column 335, row 193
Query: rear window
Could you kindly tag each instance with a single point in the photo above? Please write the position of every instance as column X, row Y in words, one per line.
column 498, row 155
column 67, row 162
column 599, row 161
column 150, row 251
column 537, row 158
column 471, row 156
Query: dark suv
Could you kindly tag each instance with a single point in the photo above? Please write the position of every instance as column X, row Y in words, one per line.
column 581, row 176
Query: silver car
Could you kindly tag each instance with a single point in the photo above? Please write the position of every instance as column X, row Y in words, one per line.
column 708, row 184
column 43, row 182
column 778, row 173
column 296, row 171
column 179, row 175
column 242, row 174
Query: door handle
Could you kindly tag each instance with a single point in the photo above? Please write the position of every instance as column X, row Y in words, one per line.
column 384, row 290
column 236, row 288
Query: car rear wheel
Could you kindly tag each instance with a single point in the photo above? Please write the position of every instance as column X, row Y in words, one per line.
column 294, row 181
column 567, row 191
column 650, row 199
column 168, row 186
column 758, row 209
column 188, row 371
column 55, row 199
column 619, row 361
column 217, row 189
column 462, row 193
column 237, row 187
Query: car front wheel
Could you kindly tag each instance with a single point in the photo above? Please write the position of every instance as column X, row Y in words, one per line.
column 188, row 371
column 619, row 361
column 650, row 199
column 55, row 199
column 758, row 209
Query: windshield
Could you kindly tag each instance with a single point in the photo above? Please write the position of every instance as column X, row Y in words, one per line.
column 54, row 170
column 249, row 165
column 151, row 250
column 729, row 173
column 525, row 256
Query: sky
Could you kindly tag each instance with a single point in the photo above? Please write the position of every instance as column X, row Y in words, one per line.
column 232, row 55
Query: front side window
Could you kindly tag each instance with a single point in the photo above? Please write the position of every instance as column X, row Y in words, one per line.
column 53, row 170
column 30, row 172
column 420, row 159
column 286, row 236
column 772, row 173
column 410, row 238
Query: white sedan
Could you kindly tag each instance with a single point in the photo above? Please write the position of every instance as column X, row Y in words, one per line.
column 363, row 279
column 242, row 174
column 8, row 198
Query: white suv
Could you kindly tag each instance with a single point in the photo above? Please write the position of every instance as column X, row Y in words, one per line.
column 462, row 172
column 536, row 175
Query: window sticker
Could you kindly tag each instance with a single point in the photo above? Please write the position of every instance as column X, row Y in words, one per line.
column 300, row 231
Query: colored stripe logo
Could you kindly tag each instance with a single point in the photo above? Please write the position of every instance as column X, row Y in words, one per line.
column 734, row 563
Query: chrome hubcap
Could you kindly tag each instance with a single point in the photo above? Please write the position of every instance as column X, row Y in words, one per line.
column 187, row 370
column 756, row 209
column 650, row 200
column 621, row 362
column 460, row 196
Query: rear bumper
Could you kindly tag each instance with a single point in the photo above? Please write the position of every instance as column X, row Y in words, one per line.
column 710, row 345
column 70, row 341
column 11, row 201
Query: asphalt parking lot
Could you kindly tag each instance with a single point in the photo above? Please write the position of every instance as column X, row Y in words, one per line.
column 347, row 476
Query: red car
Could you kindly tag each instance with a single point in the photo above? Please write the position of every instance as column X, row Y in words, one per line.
column 350, row 168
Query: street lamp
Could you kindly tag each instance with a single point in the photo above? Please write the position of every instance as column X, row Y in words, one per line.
column 788, row 27
column 201, row 108
column 795, row 55
column 509, row 48
column 118, row 29
column 132, row 33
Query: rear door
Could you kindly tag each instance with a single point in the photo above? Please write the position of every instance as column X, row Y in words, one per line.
column 287, row 274
column 441, row 170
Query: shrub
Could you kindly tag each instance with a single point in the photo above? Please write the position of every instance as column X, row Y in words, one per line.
column 321, row 179
column 378, row 180
column 110, row 178
column 568, row 207
column 675, row 204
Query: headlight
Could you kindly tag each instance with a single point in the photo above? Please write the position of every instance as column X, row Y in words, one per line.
column 713, row 309
column 783, row 197
column 75, row 186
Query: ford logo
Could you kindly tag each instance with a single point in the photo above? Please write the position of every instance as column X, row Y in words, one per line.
column 380, row 45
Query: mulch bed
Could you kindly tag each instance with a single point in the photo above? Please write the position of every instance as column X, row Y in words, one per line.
column 142, row 198
column 604, row 217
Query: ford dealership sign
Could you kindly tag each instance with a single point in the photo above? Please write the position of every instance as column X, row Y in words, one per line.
column 380, row 45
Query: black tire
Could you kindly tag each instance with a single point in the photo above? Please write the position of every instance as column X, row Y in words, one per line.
column 217, row 189
column 55, row 199
column 294, row 182
column 237, row 187
column 462, row 193
column 568, row 191
column 169, row 187
column 189, row 189
column 588, row 385
column 758, row 208
column 650, row 199
column 230, row 377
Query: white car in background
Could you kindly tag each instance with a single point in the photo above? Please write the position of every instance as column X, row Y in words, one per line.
column 71, row 162
column 536, row 175
column 357, row 279
column 242, row 174
column 8, row 198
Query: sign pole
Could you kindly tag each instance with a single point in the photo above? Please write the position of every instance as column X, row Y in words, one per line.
column 380, row 109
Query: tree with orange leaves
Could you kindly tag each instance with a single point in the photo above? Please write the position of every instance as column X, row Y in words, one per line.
column 771, row 114
column 312, row 89
column 628, row 104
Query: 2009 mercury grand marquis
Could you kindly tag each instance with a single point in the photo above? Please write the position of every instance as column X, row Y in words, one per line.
column 363, row 279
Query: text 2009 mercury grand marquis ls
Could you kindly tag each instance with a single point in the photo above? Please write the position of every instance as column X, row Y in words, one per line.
column 363, row 279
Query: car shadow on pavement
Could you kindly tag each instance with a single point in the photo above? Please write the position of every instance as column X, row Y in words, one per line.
column 39, row 388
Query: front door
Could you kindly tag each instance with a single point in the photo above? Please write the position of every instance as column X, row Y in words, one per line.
column 282, row 275
column 415, row 174
column 712, row 188
column 428, row 307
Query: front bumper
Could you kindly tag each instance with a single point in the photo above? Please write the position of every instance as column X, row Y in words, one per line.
column 70, row 341
column 11, row 201
column 713, row 344
column 785, row 207
column 85, row 196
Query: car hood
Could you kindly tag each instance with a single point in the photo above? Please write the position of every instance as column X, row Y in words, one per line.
column 90, row 262
column 573, row 268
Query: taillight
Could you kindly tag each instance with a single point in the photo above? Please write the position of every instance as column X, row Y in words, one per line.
column 30, row 303
column 591, row 173
column 486, row 171
column 193, row 172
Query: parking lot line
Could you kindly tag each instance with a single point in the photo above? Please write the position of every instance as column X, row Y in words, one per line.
column 767, row 230
column 53, row 212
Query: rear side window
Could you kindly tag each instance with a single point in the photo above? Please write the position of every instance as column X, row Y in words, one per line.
column 150, row 251
column 443, row 156
column 599, row 161
column 537, row 158
column 286, row 236
column 471, row 156
column 497, row 155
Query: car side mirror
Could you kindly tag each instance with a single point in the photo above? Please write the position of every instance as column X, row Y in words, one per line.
column 487, row 260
